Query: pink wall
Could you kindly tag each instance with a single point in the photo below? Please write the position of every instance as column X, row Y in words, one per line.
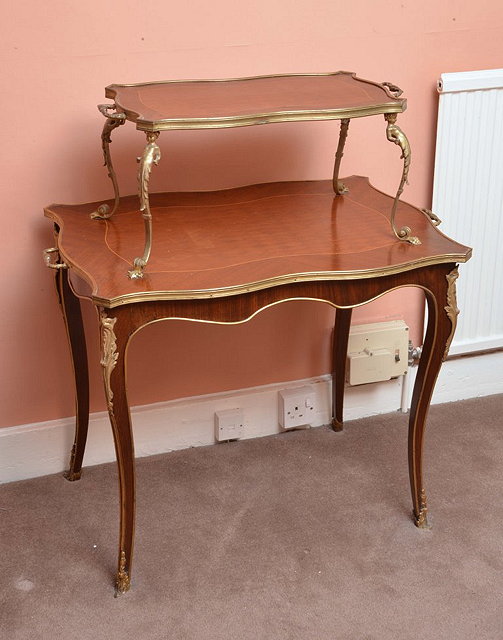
column 56, row 59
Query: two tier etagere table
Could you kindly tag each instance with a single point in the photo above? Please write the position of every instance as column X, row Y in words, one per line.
column 224, row 256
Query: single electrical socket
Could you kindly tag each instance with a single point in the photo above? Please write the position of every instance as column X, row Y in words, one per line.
column 229, row 424
column 297, row 407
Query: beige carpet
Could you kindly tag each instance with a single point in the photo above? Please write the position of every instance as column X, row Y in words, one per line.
column 306, row 535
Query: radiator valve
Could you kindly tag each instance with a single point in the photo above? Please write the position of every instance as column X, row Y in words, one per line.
column 414, row 354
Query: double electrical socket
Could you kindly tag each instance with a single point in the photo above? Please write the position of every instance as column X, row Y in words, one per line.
column 297, row 407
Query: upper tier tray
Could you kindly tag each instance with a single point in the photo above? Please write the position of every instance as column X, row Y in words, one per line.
column 206, row 104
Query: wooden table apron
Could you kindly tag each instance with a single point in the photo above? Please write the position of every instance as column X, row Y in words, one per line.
column 119, row 324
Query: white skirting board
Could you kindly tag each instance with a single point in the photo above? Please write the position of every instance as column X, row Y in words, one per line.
column 33, row 450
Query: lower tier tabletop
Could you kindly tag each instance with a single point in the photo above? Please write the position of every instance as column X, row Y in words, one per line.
column 220, row 243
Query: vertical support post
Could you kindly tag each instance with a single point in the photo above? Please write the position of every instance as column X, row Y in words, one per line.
column 151, row 155
column 340, row 187
column 340, row 350
column 396, row 135
column 113, row 121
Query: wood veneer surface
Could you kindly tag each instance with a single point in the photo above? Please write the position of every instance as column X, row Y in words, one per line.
column 206, row 99
column 222, row 242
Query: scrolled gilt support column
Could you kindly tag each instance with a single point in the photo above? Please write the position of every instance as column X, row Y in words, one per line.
column 451, row 307
column 339, row 187
column 396, row 135
column 113, row 120
column 151, row 155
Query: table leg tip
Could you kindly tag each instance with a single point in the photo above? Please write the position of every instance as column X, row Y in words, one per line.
column 422, row 522
column 120, row 589
column 122, row 584
column 337, row 425
column 72, row 476
column 122, row 581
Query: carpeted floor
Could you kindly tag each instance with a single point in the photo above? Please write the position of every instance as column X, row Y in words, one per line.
column 306, row 535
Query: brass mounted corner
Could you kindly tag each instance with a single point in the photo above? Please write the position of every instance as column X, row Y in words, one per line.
column 451, row 308
column 109, row 355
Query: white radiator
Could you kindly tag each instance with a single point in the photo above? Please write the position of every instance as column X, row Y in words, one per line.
column 468, row 197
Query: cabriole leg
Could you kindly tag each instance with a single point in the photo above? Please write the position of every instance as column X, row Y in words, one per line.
column 340, row 350
column 442, row 318
column 72, row 316
column 114, row 339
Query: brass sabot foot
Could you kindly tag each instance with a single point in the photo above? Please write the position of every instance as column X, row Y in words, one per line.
column 123, row 581
column 122, row 585
column 421, row 518
column 421, row 522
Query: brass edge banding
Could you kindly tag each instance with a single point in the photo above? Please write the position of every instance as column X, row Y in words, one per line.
column 158, row 296
column 398, row 105
column 109, row 91
column 452, row 307
column 262, row 118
